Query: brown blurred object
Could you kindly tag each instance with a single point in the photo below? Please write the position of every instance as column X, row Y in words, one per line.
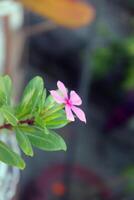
column 8, row 44
column 14, row 47
column 67, row 13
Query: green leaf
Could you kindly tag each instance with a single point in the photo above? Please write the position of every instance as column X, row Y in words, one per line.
column 48, row 142
column 57, row 123
column 30, row 129
column 39, row 122
column 31, row 98
column 8, row 114
column 51, row 106
column 53, row 115
column 9, row 157
column 50, row 101
column 23, row 142
column 128, row 83
column 46, row 130
column 56, row 120
column 5, row 89
column 8, row 86
column 2, row 98
column 42, row 101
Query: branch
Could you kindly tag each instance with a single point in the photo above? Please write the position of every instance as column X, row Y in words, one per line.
column 9, row 126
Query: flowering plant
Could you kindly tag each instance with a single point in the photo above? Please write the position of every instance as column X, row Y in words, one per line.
column 34, row 119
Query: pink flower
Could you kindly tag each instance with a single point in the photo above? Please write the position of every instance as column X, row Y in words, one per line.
column 70, row 101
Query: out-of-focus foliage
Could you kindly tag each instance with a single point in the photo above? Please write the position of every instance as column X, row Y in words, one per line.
column 117, row 53
column 68, row 13
column 128, row 3
column 129, row 177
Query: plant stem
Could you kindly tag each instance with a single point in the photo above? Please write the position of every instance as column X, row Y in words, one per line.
column 9, row 126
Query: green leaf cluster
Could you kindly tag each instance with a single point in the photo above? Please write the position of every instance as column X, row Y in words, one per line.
column 33, row 120
column 116, row 53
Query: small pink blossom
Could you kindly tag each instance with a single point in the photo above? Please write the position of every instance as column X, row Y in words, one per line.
column 70, row 101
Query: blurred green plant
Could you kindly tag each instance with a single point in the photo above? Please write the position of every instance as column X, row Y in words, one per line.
column 117, row 53
column 33, row 121
column 128, row 3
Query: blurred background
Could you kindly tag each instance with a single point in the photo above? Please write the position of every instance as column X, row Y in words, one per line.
column 89, row 45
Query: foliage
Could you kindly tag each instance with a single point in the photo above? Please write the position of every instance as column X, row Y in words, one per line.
column 107, row 59
column 32, row 120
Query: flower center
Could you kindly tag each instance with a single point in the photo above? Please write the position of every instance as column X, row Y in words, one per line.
column 68, row 102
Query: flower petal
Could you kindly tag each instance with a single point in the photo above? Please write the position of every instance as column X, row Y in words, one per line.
column 57, row 97
column 62, row 89
column 79, row 113
column 69, row 113
column 75, row 98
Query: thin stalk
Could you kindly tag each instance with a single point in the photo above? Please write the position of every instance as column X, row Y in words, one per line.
column 9, row 126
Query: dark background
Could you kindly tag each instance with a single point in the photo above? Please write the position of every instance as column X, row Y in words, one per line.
column 98, row 62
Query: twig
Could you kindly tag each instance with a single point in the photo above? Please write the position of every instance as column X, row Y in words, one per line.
column 9, row 126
